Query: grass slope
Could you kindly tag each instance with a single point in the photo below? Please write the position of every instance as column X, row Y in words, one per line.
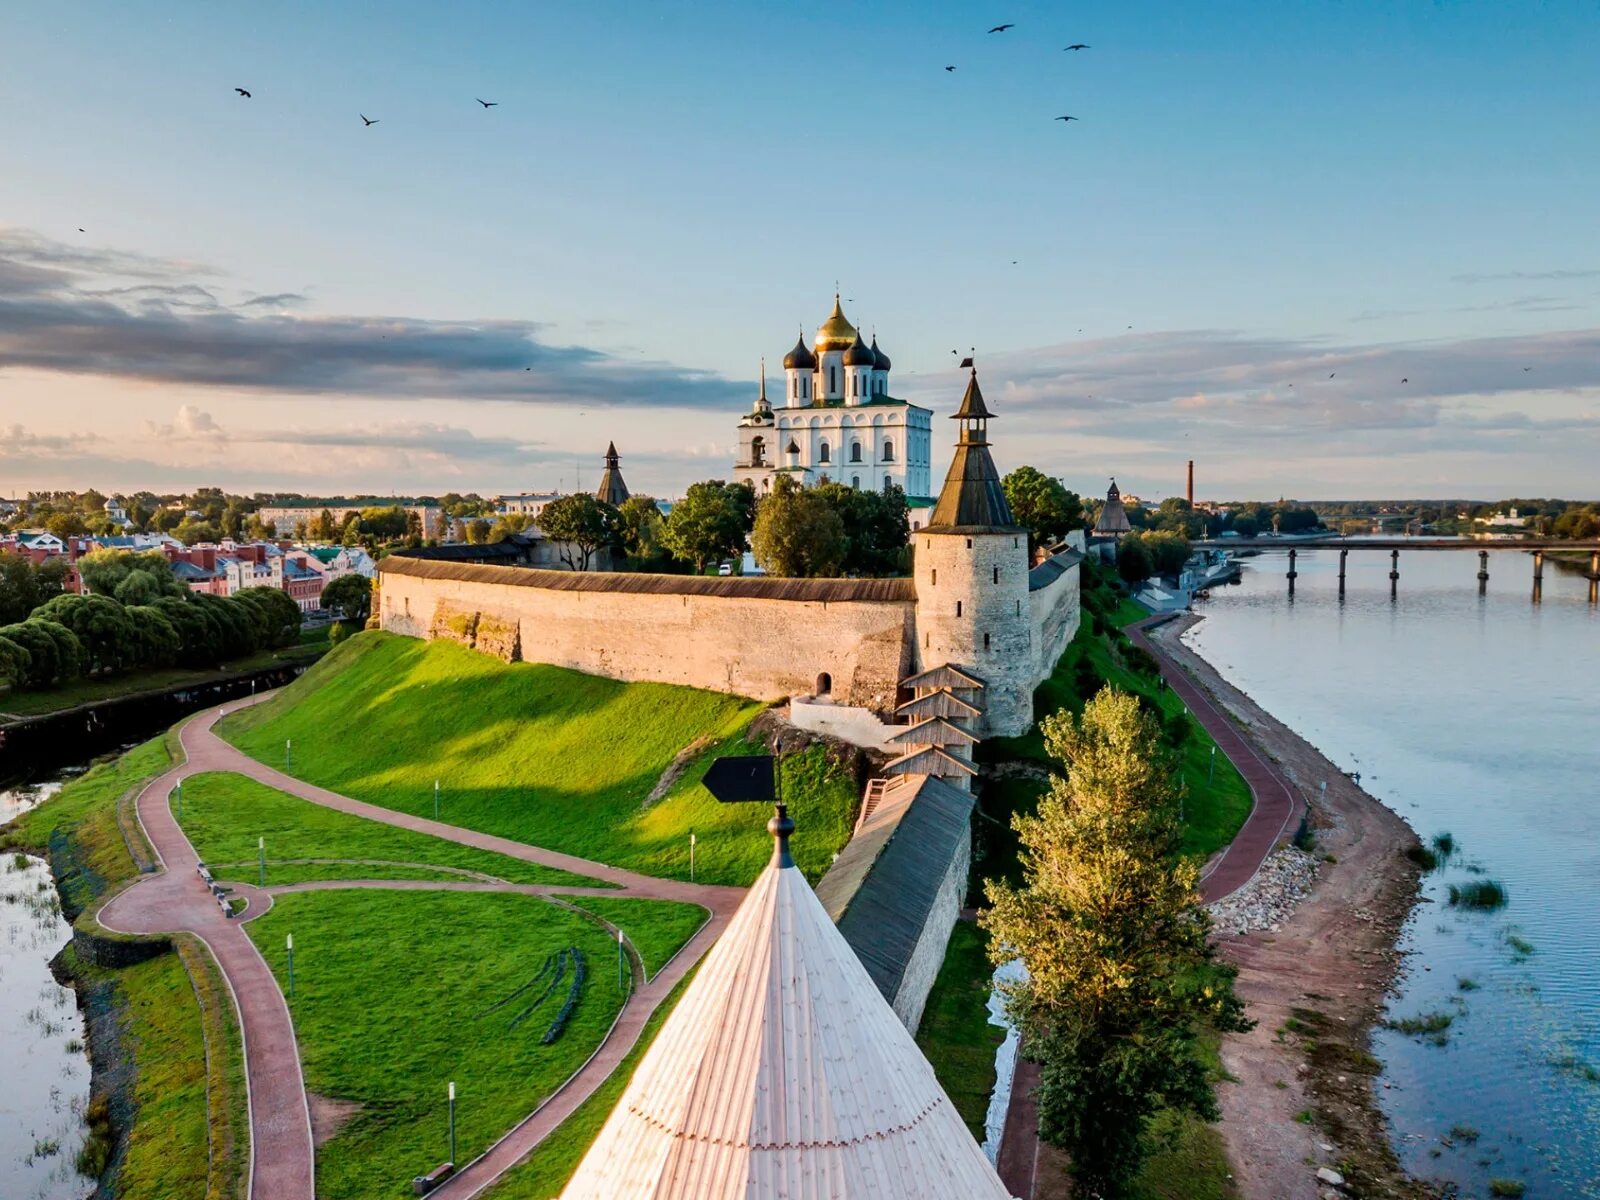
column 657, row 928
column 391, row 997
column 537, row 753
column 224, row 814
column 955, row 1033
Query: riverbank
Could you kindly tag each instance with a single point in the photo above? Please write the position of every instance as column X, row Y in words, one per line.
column 1304, row 1094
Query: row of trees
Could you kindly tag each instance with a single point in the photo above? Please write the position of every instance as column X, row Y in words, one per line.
column 1141, row 555
column 77, row 635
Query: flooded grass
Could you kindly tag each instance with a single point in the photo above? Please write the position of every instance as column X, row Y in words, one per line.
column 1507, row 1187
column 1432, row 1027
column 1444, row 844
column 1466, row 1134
column 1521, row 947
column 1482, row 894
column 1578, row 1068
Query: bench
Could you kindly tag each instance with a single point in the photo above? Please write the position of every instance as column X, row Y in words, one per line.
column 421, row 1185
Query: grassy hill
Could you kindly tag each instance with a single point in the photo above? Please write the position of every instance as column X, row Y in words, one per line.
column 547, row 756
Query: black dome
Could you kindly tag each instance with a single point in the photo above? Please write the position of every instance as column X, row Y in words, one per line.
column 800, row 357
column 859, row 355
column 881, row 360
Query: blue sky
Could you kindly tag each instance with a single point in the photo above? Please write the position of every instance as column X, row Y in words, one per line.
column 269, row 294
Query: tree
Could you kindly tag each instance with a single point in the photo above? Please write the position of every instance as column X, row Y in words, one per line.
column 15, row 663
column 66, row 524
column 155, row 641
column 1121, row 974
column 1042, row 506
column 508, row 524
column 200, row 640
column 19, row 588
column 190, row 531
column 101, row 626
column 639, row 529
column 877, row 527
column 321, row 527
column 1168, row 551
column 478, row 532
column 798, row 532
column 69, row 651
column 582, row 525
column 709, row 523
column 1134, row 562
column 351, row 597
column 279, row 616
column 385, row 523
column 43, row 665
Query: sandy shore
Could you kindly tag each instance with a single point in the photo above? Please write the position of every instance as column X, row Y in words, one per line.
column 1316, row 986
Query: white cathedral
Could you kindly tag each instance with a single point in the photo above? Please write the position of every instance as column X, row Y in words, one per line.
column 837, row 421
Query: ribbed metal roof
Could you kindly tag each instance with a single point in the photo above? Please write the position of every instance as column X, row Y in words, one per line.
column 1052, row 569
column 783, row 1072
column 972, row 500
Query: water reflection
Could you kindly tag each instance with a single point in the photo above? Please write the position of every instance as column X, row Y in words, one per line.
column 1477, row 715
column 41, row 1031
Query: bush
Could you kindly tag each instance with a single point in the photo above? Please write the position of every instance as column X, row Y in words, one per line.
column 1423, row 857
column 338, row 633
column 1480, row 893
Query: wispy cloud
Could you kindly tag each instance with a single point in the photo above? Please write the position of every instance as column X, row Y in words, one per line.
column 1526, row 276
column 96, row 312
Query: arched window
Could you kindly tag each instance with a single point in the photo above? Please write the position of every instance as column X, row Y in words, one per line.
column 824, row 684
column 888, row 452
column 758, row 449
column 855, row 482
column 855, row 451
column 833, row 381
column 822, row 453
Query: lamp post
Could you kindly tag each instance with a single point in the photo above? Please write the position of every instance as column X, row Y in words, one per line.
column 621, row 960
column 452, row 1122
column 290, row 942
column 691, row 858
column 178, row 791
column 1211, row 770
column 288, row 756
column 435, row 799
column 261, row 852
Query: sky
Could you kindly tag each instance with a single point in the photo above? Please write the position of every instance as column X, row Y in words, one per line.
column 1324, row 249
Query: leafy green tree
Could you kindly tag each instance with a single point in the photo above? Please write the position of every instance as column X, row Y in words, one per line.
column 66, row 524
column 279, row 617
column 155, row 640
column 101, row 626
column 1121, row 975
column 234, row 624
column 19, row 588
column 877, row 527
column 199, row 638
column 639, row 530
column 478, row 532
column 1134, row 562
column 1042, row 506
column 710, row 523
column 322, row 527
column 798, row 531
column 15, row 663
column 1168, row 549
column 69, row 651
column 43, row 666
column 582, row 525
column 386, row 523
column 190, row 531
column 507, row 524
column 351, row 597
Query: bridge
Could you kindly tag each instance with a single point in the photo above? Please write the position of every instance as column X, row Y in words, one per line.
column 1537, row 546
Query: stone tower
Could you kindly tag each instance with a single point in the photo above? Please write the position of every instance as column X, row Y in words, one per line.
column 971, row 574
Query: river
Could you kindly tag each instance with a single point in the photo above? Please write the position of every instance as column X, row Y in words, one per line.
column 1480, row 717
column 41, row 1030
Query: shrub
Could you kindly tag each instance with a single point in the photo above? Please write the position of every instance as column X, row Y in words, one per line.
column 1444, row 844
column 1423, row 857
column 1480, row 894
column 1507, row 1187
column 560, row 1023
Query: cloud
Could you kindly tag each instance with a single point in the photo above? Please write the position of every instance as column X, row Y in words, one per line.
column 191, row 424
column 75, row 311
column 1525, row 276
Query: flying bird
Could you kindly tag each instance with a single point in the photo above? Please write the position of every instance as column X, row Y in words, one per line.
column 1076, row 46
column 1331, row 374
column 1066, row 118
column 1003, row 28
column 487, row 103
column 949, row 68
column 1405, row 381
column 1524, row 368
column 365, row 120
column 82, row 231
column 243, row 93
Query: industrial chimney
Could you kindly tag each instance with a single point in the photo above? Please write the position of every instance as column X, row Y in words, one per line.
column 1191, row 483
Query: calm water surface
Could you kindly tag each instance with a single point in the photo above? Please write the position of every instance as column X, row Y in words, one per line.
column 45, row 1070
column 1480, row 717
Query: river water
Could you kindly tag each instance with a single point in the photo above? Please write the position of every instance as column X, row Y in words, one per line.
column 1480, row 717
column 45, row 1069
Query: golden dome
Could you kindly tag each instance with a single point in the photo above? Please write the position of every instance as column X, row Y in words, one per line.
column 835, row 333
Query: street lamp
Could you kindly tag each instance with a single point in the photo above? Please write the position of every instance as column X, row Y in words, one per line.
column 691, row 858
column 288, row 756
column 621, row 959
column 261, row 852
column 290, row 941
column 452, row 1122
column 435, row 799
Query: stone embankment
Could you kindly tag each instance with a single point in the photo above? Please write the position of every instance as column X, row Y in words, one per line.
column 1266, row 901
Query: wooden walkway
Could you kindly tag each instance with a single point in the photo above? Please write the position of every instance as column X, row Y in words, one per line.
column 175, row 899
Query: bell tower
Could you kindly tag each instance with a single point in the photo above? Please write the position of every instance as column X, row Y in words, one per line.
column 971, row 576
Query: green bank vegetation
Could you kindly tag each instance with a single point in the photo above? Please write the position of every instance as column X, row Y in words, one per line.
column 955, row 1033
column 224, row 814
column 398, row 993
column 178, row 1111
column 547, row 756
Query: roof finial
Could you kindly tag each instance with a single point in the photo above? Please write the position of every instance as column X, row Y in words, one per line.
column 763, row 377
column 780, row 827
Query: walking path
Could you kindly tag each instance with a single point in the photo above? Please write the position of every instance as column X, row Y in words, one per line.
column 1275, row 806
column 175, row 899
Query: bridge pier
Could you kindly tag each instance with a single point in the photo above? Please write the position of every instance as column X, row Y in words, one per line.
column 1483, row 572
column 1394, row 573
column 1594, row 577
column 1343, row 555
column 1538, row 576
column 1293, row 574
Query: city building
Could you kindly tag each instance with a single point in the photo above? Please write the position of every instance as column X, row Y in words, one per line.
column 523, row 504
column 283, row 518
column 837, row 420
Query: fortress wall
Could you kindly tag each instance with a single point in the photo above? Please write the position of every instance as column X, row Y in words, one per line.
column 1055, row 621
column 750, row 645
column 928, row 957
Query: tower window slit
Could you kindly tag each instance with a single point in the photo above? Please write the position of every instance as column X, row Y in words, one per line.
column 958, row 608
column 997, row 574
column 986, row 641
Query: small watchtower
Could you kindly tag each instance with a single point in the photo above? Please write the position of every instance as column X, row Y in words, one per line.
column 971, row 576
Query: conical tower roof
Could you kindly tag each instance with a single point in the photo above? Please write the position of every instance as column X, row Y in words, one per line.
column 1113, row 520
column 784, row 1072
column 611, row 490
column 972, row 500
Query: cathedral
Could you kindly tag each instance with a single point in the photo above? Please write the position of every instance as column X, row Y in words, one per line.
column 837, row 420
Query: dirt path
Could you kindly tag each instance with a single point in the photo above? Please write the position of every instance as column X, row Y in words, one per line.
column 282, row 1158
column 1315, row 987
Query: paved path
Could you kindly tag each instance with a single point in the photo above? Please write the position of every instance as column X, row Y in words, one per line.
column 282, row 1161
column 1275, row 805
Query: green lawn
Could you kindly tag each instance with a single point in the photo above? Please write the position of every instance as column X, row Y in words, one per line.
column 955, row 1033
column 396, row 995
column 224, row 814
column 657, row 928
column 111, row 687
column 541, row 754
column 543, row 1174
